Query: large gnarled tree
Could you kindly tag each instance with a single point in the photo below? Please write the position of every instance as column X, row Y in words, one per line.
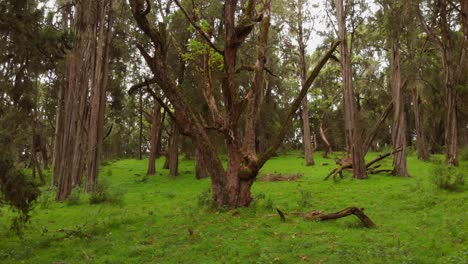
column 230, row 186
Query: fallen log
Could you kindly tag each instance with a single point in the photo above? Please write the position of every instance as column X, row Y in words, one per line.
column 359, row 212
column 372, row 170
column 321, row 216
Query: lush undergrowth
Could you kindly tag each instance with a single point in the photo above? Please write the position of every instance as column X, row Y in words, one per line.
column 165, row 220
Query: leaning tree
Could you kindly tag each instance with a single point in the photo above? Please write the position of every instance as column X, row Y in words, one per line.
column 230, row 186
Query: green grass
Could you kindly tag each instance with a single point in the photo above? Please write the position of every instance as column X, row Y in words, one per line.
column 417, row 223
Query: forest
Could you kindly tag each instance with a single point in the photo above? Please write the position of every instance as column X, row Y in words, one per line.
column 235, row 131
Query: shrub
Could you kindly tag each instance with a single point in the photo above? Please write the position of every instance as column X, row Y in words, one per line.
column 105, row 194
column 448, row 178
column 16, row 189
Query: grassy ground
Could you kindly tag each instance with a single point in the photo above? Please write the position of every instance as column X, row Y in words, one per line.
column 417, row 223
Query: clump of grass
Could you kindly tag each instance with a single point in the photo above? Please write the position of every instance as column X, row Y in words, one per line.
column 464, row 154
column 75, row 197
column 45, row 200
column 305, row 199
column 141, row 178
column 205, row 199
column 105, row 194
column 448, row 178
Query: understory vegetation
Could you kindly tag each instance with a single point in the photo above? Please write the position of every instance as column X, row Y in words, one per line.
column 159, row 219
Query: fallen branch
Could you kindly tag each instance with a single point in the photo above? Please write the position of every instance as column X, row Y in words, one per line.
column 347, row 164
column 359, row 212
column 320, row 216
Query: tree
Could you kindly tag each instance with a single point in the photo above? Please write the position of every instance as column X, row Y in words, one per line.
column 306, row 137
column 80, row 128
column 230, row 187
column 454, row 60
column 351, row 113
column 394, row 12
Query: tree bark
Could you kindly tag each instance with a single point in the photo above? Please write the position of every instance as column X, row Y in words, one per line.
column 351, row 114
column 201, row 165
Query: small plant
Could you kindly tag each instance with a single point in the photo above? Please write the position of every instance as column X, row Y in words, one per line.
column 464, row 154
column 45, row 200
column 75, row 197
column 204, row 199
column 104, row 194
column 304, row 200
column 448, row 178
column 141, row 178
column 268, row 204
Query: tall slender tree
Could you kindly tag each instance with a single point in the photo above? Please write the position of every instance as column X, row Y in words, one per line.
column 351, row 114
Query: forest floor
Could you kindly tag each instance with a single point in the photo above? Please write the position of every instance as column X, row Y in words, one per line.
column 163, row 220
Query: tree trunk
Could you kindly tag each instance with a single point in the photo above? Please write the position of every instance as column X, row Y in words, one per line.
column 174, row 152
column 155, row 128
column 201, row 164
column 100, row 75
column 399, row 122
column 79, row 62
column 328, row 148
column 423, row 154
column 306, row 136
column 351, row 114
column 85, row 69
column 140, row 137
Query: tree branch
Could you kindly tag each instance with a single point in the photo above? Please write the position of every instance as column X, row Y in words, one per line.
column 295, row 105
column 198, row 28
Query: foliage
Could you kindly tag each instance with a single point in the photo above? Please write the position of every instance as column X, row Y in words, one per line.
column 17, row 189
column 448, row 178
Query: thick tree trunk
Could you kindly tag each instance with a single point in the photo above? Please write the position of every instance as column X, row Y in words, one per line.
column 155, row 128
column 98, row 94
column 85, row 69
column 351, row 114
column 79, row 63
